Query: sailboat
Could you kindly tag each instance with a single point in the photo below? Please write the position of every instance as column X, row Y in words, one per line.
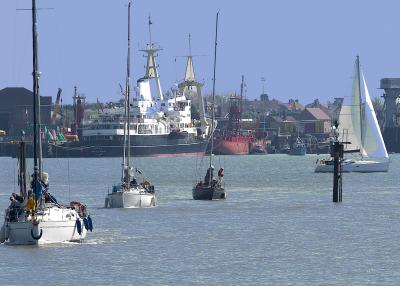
column 129, row 193
column 359, row 130
column 34, row 216
column 211, row 188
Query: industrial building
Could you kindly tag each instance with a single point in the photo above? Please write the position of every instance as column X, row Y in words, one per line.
column 391, row 123
column 16, row 111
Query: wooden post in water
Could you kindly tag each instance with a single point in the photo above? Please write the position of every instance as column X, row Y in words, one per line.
column 337, row 171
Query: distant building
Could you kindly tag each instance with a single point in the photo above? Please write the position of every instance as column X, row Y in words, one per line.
column 16, row 111
column 286, row 125
column 293, row 106
column 317, row 104
column 315, row 120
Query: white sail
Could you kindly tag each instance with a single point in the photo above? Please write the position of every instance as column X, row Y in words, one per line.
column 346, row 129
column 350, row 117
column 372, row 140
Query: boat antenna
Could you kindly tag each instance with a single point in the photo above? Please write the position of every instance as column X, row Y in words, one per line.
column 213, row 95
column 37, row 149
column 150, row 23
column 190, row 45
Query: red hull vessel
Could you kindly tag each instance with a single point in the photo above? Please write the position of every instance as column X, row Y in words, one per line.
column 232, row 140
column 233, row 145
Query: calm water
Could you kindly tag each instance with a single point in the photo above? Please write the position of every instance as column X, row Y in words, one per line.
column 277, row 227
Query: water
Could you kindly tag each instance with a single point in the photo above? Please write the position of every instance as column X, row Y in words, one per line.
column 277, row 227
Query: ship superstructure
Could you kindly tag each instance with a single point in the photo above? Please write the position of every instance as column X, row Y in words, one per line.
column 160, row 125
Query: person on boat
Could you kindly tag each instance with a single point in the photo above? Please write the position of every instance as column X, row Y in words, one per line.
column 145, row 184
column 18, row 197
column 15, row 204
column 208, row 176
column 221, row 173
column 31, row 204
column 14, row 209
column 38, row 187
column 134, row 182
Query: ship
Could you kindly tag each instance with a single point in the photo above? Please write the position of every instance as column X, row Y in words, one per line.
column 161, row 125
column 232, row 140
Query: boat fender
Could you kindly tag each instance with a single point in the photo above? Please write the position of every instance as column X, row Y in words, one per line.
column 85, row 223
column 78, row 226
column 90, row 223
column 36, row 237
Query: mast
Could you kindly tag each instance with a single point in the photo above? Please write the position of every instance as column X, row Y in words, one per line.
column 151, row 66
column 150, row 23
column 127, row 140
column 241, row 100
column 359, row 95
column 127, row 91
column 37, row 150
column 213, row 95
column 190, row 46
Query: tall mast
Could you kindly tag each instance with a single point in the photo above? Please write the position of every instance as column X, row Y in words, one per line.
column 127, row 140
column 127, row 89
column 241, row 100
column 37, row 150
column 213, row 95
column 359, row 94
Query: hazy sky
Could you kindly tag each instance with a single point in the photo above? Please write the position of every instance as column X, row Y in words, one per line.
column 304, row 49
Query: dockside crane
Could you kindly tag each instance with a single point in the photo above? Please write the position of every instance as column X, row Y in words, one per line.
column 57, row 108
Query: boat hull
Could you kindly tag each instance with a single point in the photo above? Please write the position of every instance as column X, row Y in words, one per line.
column 228, row 147
column 209, row 193
column 355, row 166
column 131, row 199
column 148, row 146
column 24, row 233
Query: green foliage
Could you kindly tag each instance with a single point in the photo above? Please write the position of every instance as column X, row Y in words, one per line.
column 377, row 102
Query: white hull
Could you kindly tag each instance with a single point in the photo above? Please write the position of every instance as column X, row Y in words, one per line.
column 57, row 225
column 133, row 198
column 355, row 166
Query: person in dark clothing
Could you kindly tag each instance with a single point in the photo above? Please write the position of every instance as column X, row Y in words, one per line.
column 208, row 176
column 18, row 197
column 134, row 182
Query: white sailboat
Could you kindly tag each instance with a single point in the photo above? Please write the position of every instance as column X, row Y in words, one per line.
column 34, row 216
column 359, row 126
column 129, row 193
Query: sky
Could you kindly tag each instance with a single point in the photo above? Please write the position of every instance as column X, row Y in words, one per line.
column 304, row 49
